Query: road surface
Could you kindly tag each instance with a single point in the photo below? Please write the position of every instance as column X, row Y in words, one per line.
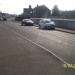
column 26, row 50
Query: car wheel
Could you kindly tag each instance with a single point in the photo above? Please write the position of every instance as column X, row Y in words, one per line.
column 39, row 27
column 53, row 28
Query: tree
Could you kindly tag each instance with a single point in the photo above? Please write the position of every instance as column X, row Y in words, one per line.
column 55, row 11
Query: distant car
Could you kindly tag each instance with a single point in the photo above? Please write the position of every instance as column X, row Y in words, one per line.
column 4, row 19
column 27, row 22
column 46, row 23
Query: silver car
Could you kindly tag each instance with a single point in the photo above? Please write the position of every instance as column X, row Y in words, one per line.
column 46, row 23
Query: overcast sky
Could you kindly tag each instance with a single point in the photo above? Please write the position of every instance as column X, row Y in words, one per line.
column 16, row 6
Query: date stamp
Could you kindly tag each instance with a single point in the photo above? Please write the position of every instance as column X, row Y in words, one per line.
column 69, row 66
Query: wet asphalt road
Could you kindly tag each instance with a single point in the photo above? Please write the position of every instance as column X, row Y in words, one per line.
column 19, row 56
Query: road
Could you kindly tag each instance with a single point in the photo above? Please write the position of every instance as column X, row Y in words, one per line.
column 26, row 50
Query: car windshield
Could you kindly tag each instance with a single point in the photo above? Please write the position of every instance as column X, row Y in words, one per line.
column 47, row 21
column 27, row 20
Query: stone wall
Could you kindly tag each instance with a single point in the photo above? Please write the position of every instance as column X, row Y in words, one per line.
column 65, row 23
column 61, row 23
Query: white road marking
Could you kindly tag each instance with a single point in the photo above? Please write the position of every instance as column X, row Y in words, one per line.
column 63, row 61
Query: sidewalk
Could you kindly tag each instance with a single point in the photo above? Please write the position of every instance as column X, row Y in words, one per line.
column 66, row 30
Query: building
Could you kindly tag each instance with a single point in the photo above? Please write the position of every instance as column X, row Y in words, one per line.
column 27, row 12
column 37, row 12
column 41, row 12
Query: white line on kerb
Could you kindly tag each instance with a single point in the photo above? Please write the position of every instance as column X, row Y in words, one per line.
column 63, row 61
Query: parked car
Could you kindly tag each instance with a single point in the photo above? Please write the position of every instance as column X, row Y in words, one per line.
column 27, row 22
column 46, row 23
